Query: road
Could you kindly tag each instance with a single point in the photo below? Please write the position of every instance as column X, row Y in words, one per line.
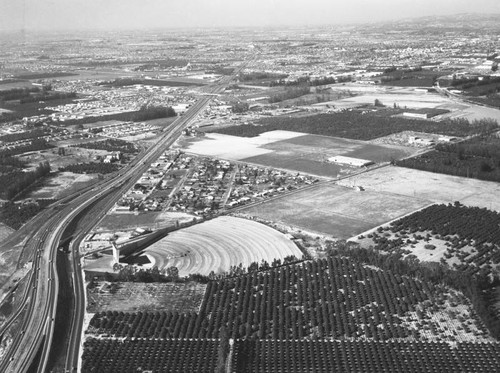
column 40, row 302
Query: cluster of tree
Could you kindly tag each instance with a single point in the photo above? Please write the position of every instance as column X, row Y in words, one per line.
column 134, row 116
column 124, row 117
column 47, row 75
column 15, row 215
column 477, row 289
column 489, row 100
column 484, row 145
column 141, row 355
column 91, row 168
column 450, row 164
column 9, row 164
column 362, row 356
column 124, row 82
column 307, row 81
column 111, row 145
column 161, row 64
column 130, row 273
column 299, row 301
column 221, row 70
column 13, row 183
column 10, row 81
column 331, row 80
column 48, row 97
column 259, row 75
column 478, row 158
column 361, row 126
column 153, row 112
column 239, row 270
column 239, row 107
column 300, row 81
column 37, row 144
column 475, row 86
column 32, row 134
column 17, row 93
column 289, row 94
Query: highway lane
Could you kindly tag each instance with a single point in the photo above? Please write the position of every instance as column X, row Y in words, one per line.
column 9, row 356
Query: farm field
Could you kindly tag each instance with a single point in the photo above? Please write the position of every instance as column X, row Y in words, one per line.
column 403, row 97
column 364, row 357
column 295, row 151
column 133, row 296
column 364, row 316
column 338, row 211
column 218, row 244
column 429, row 186
column 332, row 298
column 234, row 147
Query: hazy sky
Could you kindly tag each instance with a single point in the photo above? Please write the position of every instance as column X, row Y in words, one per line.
column 88, row 14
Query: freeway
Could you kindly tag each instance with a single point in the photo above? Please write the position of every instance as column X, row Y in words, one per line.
column 40, row 302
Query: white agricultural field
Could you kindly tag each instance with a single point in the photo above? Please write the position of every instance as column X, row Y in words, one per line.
column 237, row 148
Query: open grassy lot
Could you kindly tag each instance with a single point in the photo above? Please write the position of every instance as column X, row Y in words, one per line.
column 127, row 221
column 61, row 185
column 132, row 296
column 429, row 186
column 322, row 147
column 337, row 211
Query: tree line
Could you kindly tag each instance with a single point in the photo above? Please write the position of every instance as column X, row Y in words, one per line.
column 91, row 168
column 477, row 158
column 47, row 97
column 17, row 93
column 360, row 125
column 13, row 183
column 37, row 132
column 289, row 94
column 37, row 144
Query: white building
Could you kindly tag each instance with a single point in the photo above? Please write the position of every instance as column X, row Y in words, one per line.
column 356, row 162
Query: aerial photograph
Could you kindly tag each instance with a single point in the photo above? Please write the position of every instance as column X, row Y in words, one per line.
column 235, row 186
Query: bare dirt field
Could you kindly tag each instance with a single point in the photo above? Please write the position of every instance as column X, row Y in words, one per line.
column 72, row 156
column 127, row 221
column 419, row 248
column 429, row 186
column 337, row 211
column 64, row 183
column 218, row 244
column 132, row 296
column 5, row 232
